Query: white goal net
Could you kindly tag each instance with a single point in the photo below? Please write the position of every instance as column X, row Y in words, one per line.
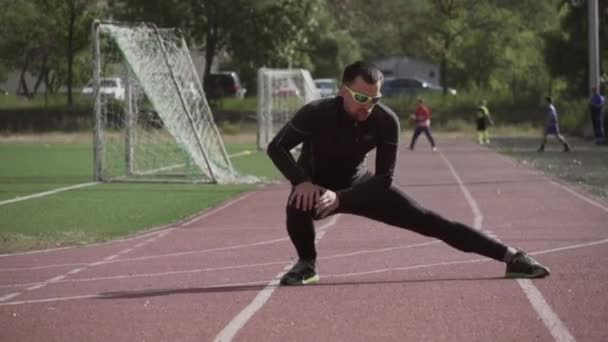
column 152, row 120
column 281, row 92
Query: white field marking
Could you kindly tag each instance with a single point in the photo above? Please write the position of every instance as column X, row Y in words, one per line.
column 239, row 321
column 176, row 166
column 240, row 154
column 50, row 192
column 153, row 231
column 83, row 185
column 265, row 282
column 343, row 255
column 555, row 326
column 74, row 271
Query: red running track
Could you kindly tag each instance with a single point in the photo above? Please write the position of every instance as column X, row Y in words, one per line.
column 214, row 277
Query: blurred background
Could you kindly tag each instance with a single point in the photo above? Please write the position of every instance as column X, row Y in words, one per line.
column 510, row 53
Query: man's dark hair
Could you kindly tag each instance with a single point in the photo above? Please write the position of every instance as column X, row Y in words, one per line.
column 368, row 72
column 548, row 99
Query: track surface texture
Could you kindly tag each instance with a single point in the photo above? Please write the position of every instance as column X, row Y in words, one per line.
column 215, row 277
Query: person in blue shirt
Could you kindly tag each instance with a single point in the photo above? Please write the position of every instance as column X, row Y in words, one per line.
column 552, row 127
column 595, row 105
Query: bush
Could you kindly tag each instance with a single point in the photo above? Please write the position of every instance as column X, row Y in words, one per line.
column 59, row 118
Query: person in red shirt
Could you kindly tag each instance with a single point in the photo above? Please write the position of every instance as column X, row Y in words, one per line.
column 422, row 119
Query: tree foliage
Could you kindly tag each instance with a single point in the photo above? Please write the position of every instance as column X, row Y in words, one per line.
column 523, row 48
column 43, row 38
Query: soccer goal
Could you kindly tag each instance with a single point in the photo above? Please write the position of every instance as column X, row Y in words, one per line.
column 281, row 92
column 152, row 120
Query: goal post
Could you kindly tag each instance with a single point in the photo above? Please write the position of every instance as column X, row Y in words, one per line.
column 152, row 120
column 281, row 92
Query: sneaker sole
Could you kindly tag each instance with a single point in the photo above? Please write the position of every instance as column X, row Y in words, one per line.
column 312, row 280
column 539, row 274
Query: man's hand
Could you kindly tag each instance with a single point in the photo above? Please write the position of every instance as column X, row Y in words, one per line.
column 305, row 195
column 327, row 203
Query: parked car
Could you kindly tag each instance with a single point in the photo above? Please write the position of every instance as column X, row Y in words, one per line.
column 285, row 87
column 327, row 86
column 409, row 87
column 223, row 84
column 110, row 87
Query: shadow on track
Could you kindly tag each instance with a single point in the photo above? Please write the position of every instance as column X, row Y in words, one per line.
column 261, row 286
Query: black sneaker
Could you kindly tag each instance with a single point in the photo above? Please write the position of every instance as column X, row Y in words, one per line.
column 524, row 266
column 302, row 273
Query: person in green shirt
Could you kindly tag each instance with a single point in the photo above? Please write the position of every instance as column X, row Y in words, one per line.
column 483, row 120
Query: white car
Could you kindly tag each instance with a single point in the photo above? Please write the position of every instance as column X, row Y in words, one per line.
column 327, row 86
column 110, row 87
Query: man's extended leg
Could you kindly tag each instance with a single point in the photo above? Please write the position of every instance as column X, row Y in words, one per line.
column 394, row 207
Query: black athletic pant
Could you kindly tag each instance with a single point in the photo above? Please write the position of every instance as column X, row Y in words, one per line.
column 596, row 121
column 392, row 206
column 426, row 131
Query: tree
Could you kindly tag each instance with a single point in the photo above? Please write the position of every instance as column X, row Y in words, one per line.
column 22, row 38
column 566, row 51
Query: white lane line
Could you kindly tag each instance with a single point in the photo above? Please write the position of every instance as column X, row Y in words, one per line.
column 328, row 257
column 71, row 272
column 552, row 322
column 379, row 250
column 559, row 249
column 111, row 296
column 152, row 231
column 239, row 321
column 27, row 269
column 554, row 182
column 215, row 210
column 272, row 263
column 555, row 326
column 151, row 257
column 218, row 249
column 9, row 296
column 46, row 193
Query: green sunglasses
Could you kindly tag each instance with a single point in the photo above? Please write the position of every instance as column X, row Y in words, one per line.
column 362, row 98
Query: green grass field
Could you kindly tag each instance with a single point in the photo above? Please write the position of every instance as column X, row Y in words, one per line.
column 99, row 212
column 33, row 164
